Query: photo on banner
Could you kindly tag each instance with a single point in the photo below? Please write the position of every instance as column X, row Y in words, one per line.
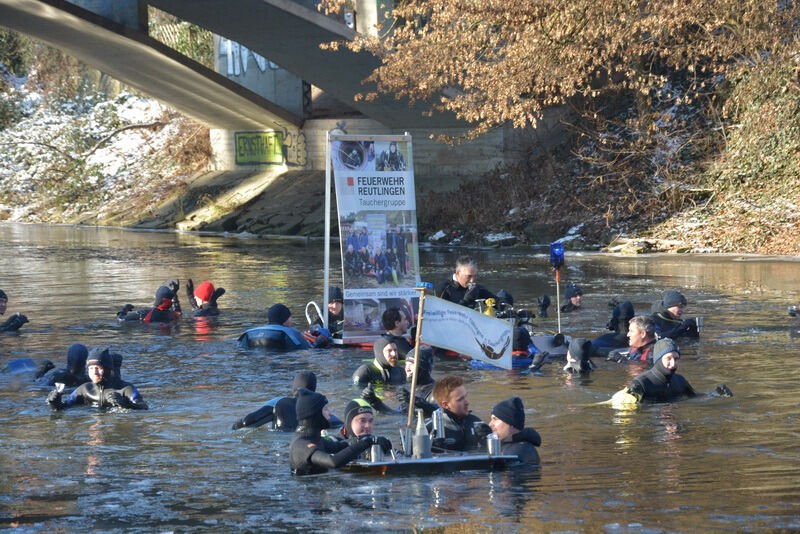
column 378, row 230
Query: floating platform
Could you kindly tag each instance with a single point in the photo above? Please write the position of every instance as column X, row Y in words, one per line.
column 437, row 464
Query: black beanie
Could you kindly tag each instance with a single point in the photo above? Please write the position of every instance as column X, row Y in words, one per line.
column 304, row 379
column 377, row 350
column 352, row 409
column 100, row 356
column 3, row 295
column 278, row 314
column 673, row 297
column 510, row 411
column 309, row 404
column 580, row 348
column 572, row 290
column 663, row 347
column 335, row 294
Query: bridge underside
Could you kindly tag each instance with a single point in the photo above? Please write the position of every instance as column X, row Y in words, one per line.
column 290, row 35
column 145, row 64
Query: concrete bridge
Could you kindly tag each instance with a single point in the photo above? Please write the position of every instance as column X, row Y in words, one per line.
column 283, row 31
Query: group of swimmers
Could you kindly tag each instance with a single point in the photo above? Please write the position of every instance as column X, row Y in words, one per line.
column 650, row 340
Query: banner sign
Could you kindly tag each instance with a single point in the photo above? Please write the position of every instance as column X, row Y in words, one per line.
column 259, row 148
column 466, row 331
column 375, row 198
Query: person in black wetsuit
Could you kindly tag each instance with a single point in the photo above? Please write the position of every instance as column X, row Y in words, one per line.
column 396, row 323
column 13, row 323
column 669, row 318
column 508, row 422
column 73, row 375
column 309, row 453
column 641, row 338
column 104, row 390
column 423, row 395
column 383, row 369
column 661, row 383
column 620, row 317
column 166, row 307
column 573, row 298
column 462, row 288
column 281, row 412
column 203, row 298
column 579, row 356
column 463, row 430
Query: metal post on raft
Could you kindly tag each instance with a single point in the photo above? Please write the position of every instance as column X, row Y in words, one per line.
column 327, row 261
column 423, row 288
column 557, row 261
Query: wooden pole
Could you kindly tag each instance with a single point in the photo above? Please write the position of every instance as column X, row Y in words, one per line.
column 422, row 291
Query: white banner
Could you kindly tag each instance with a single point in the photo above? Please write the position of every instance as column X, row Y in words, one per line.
column 374, row 177
column 463, row 330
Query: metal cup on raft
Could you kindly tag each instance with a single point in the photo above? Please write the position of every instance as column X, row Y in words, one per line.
column 492, row 444
column 437, row 418
column 699, row 321
column 375, row 453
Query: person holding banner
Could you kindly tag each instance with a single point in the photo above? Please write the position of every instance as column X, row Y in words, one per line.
column 463, row 430
column 383, row 369
column 463, row 288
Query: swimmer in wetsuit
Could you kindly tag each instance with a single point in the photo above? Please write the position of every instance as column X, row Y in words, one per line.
column 508, row 422
column 669, row 319
column 309, row 452
column 396, row 323
column 463, row 430
column 73, row 375
column 166, row 307
column 13, row 323
column 281, row 412
column 462, row 288
column 383, row 369
column 203, row 298
column 104, row 390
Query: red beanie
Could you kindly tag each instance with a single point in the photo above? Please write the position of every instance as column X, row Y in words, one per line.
column 204, row 291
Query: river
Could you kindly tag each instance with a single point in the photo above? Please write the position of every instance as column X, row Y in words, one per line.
column 697, row 465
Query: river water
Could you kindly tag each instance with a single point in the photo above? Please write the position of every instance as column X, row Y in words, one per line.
column 702, row 464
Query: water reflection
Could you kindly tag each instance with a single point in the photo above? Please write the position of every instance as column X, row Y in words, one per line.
column 718, row 463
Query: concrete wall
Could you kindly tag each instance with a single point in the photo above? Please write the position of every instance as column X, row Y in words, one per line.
column 437, row 165
column 258, row 74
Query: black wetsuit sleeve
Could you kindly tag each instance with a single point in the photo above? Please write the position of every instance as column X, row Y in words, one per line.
column 362, row 376
column 131, row 398
column 260, row 417
column 13, row 323
column 333, row 461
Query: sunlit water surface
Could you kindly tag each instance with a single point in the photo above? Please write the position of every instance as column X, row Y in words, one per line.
column 703, row 464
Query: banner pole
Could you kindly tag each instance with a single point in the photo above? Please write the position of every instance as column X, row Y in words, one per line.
column 558, row 299
column 418, row 337
column 327, row 262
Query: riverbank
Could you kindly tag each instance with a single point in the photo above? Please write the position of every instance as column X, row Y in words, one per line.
column 128, row 161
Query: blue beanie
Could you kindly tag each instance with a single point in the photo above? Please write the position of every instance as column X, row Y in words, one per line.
column 278, row 314
column 663, row 347
column 510, row 411
column 673, row 297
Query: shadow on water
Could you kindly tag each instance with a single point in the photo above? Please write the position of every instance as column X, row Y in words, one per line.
column 709, row 463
